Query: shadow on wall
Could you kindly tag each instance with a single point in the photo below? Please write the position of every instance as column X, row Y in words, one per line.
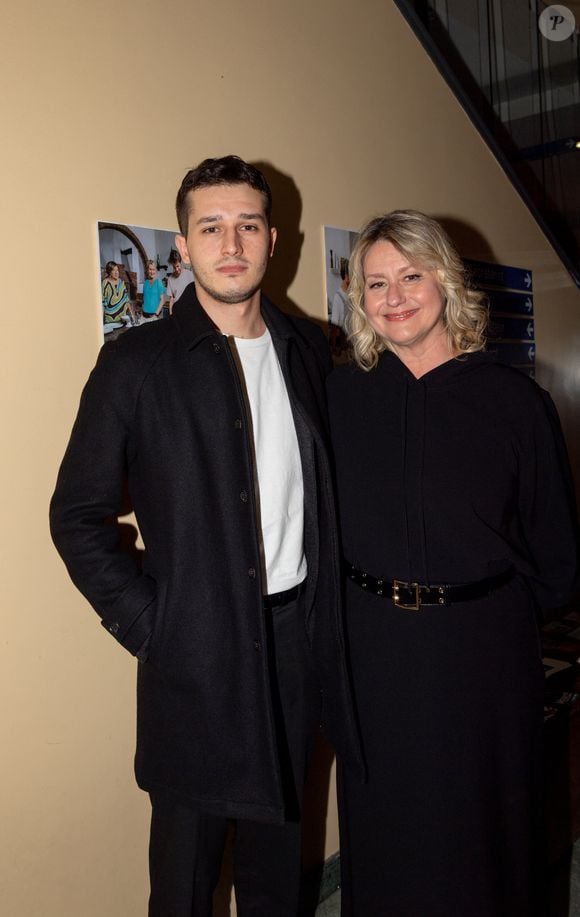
column 468, row 240
column 286, row 216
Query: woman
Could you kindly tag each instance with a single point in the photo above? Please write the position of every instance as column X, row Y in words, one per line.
column 116, row 304
column 458, row 526
column 153, row 293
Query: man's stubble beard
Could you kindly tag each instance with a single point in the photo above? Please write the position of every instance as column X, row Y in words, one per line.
column 231, row 299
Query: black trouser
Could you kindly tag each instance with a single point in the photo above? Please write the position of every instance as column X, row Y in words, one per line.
column 186, row 846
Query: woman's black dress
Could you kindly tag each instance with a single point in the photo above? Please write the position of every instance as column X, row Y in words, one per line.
column 451, row 478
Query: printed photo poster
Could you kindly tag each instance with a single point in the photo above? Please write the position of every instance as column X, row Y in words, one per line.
column 141, row 276
column 338, row 246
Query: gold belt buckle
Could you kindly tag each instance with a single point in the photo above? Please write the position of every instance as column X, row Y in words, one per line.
column 396, row 598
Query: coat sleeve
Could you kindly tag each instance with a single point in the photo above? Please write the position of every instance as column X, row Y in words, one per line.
column 547, row 507
column 90, row 494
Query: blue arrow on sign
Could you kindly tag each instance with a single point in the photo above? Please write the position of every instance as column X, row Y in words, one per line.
column 484, row 274
column 520, row 354
column 510, row 303
column 509, row 328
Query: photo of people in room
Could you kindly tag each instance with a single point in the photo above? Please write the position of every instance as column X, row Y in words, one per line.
column 338, row 246
column 142, row 275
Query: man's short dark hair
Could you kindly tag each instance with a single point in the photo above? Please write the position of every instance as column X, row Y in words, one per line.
column 227, row 170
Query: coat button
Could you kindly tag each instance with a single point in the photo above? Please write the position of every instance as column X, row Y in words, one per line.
column 217, row 348
column 113, row 628
column 252, row 572
column 257, row 646
column 237, row 424
column 244, row 496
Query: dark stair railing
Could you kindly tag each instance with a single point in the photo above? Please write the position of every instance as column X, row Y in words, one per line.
column 522, row 92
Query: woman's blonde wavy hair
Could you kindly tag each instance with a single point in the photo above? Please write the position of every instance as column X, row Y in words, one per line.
column 425, row 243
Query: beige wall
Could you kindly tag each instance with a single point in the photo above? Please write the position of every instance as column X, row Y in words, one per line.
column 104, row 107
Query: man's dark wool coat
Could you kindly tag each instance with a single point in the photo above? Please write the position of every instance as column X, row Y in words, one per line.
column 164, row 415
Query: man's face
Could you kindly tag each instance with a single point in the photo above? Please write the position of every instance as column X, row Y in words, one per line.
column 228, row 242
column 151, row 271
column 177, row 268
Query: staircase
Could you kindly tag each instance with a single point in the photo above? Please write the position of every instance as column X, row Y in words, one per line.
column 516, row 73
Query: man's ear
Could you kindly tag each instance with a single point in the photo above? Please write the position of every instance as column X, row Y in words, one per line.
column 273, row 237
column 181, row 246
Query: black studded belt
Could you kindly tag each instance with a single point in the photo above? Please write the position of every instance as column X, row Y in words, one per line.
column 412, row 596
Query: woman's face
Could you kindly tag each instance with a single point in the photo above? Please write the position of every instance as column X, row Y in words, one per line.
column 114, row 273
column 402, row 300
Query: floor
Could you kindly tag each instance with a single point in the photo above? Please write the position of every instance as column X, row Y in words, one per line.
column 331, row 906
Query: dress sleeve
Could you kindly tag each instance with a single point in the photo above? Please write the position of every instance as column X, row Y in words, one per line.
column 106, row 291
column 547, row 507
column 90, row 494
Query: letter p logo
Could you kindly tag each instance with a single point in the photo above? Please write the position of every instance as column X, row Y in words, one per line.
column 556, row 23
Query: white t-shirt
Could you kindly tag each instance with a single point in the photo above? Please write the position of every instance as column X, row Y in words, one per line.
column 176, row 285
column 280, row 483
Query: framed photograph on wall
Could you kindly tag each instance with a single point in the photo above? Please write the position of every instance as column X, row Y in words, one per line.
column 141, row 275
column 338, row 246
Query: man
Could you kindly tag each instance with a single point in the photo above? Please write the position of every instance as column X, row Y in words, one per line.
column 214, row 419
column 178, row 280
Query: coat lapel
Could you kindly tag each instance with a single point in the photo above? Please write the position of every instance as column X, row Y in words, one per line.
column 300, row 365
